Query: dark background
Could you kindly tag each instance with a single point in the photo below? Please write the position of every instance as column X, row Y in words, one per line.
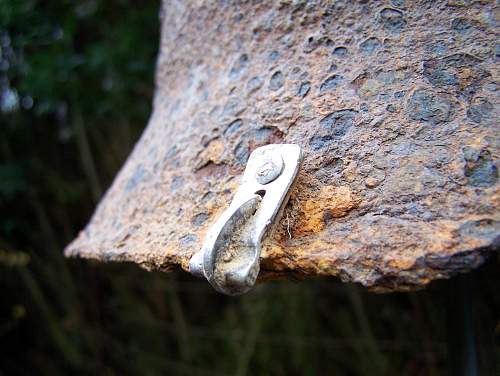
column 76, row 86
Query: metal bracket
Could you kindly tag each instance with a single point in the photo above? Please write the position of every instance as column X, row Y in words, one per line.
column 230, row 256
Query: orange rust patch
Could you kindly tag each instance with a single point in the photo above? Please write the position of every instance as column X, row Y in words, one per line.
column 211, row 154
column 330, row 202
column 403, row 264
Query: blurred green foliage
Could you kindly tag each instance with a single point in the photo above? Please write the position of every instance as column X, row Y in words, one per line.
column 91, row 56
column 76, row 86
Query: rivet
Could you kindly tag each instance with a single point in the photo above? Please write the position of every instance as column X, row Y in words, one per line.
column 269, row 170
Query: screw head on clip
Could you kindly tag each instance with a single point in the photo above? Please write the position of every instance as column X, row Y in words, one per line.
column 270, row 169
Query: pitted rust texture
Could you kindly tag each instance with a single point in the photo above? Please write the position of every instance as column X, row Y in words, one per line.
column 394, row 103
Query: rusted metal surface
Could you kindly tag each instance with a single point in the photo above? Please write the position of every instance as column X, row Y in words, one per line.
column 394, row 103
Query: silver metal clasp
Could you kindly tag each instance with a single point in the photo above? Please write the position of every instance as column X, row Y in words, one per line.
column 230, row 256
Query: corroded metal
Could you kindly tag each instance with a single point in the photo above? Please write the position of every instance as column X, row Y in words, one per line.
column 394, row 103
column 230, row 256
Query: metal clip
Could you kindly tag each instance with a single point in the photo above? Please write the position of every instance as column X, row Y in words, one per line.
column 229, row 258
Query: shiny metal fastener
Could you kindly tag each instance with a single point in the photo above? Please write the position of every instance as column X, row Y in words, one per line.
column 229, row 258
column 270, row 169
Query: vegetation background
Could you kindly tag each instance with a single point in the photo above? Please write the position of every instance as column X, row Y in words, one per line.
column 76, row 86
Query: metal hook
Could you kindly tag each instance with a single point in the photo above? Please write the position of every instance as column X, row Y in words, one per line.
column 230, row 256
